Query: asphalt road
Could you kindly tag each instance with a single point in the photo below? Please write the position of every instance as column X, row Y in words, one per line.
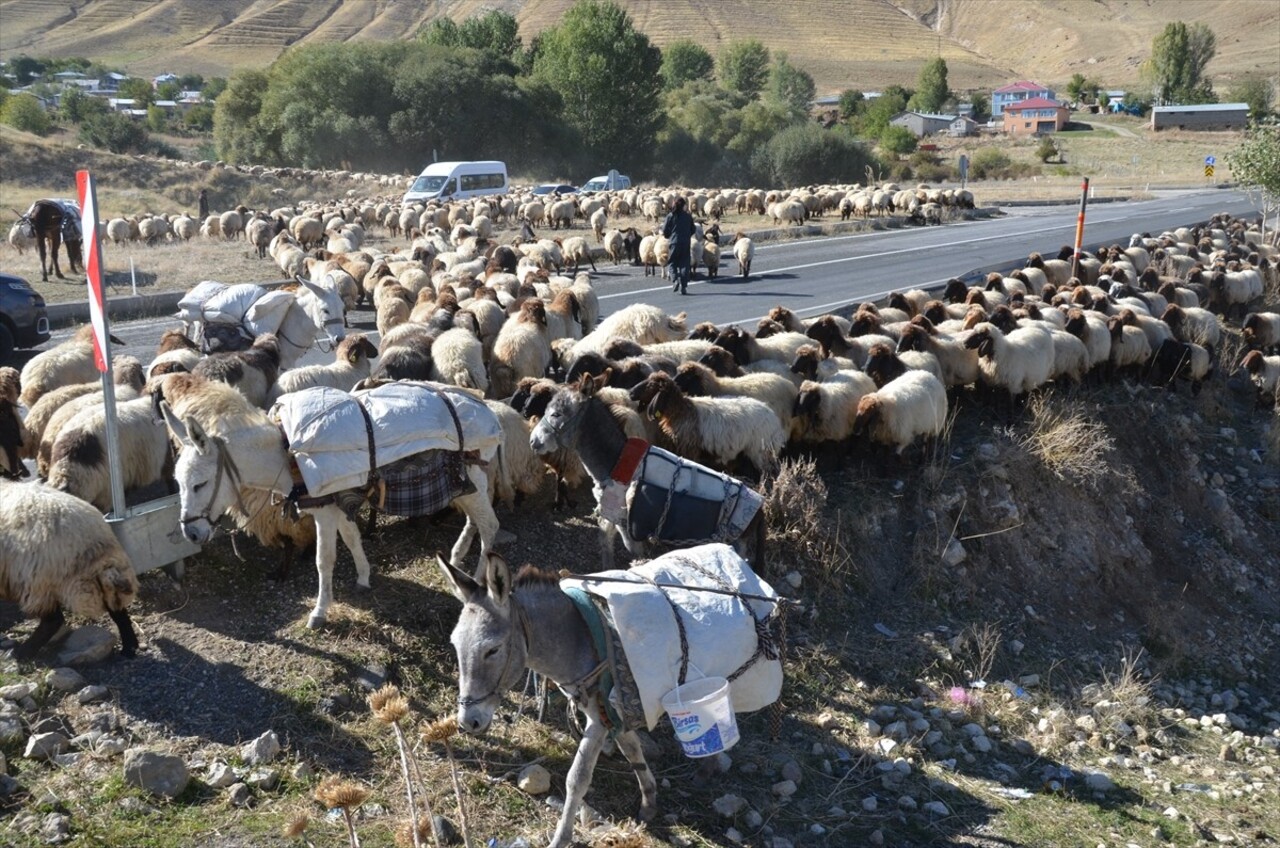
column 817, row 275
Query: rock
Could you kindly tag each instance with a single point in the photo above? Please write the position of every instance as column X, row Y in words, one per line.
column 729, row 805
column 1023, row 747
column 8, row 785
column 884, row 746
column 64, row 679
column 87, row 740
column 534, row 779
column 4, row 766
column 11, row 730
column 220, row 776
column 1171, row 813
column 1087, row 723
column 372, row 676
column 733, row 835
column 753, row 819
column 87, row 645
column 1227, row 754
column 870, row 803
column 876, row 837
column 45, row 746
column 1016, row 647
column 110, row 746
column 784, row 788
column 872, row 727
column 265, row 779
column 954, row 554
column 240, row 795
column 937, row 808
column 264, row 749
column 93, row 694
column 907, row 803
column 445, row 830
column 16, row 691
column 791, row 771
column 981, row 744
column 1026, row 681
column 896, row 730
column 302, row 771
column 154, row 772
column 794, row 579
column 1096, row 781
column 817, row 829
column 55, row 829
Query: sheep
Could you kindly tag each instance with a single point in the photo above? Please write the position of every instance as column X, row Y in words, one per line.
column 793, row 323
column 522, row 349
column 711, row 258
column 517, row 471
column 1018, row 362
column 598, row 220
column 624, row 373
column 744, row 250
column 531, row 399
column 54, row 410
column 895, row 415
column 1191, row 324
column 884, row 365
column 825, row 411
column 1091, row 329
column 1261, row 330
column 826, row 332
column 457, row 358
column 259, row 232
column 230, row 224
column 1231, row 289
column 747, row 348
column 1176, row 359
column 718, row 429
column 252, row 372
column 778, row 393
column 1130, row 347
column 1070, row 357
column 66, row 364
column 1155, row 330
column 614, row 246
column 564, row 317
column 118, row 231
column 393, row 305
column 175, row 352
column 1264, row 372
column 13, row 433
column 959, row 365
column 350, row 365
column 561, row 212
column 810, row 364
column 57, row 552
column 78, row 464
column 642, row 323
column 406, row 353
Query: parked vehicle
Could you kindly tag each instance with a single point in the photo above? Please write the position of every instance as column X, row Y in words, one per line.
column 23, row 319
column 457, row 181
column 555, row 188
column 612, row 181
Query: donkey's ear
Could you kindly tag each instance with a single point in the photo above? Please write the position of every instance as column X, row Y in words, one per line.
column 497, row 578
column 199, row 439
column 176, row 427
column 463, row 586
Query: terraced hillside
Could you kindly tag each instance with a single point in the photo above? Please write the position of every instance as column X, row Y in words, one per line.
column 844, row 43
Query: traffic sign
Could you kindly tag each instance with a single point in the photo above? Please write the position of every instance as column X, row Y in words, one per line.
column 1210, row 161
column 1208, row 170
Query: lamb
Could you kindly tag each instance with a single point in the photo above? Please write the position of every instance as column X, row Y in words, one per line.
column 252, row 372
column 1261, row 330
column 895, row 415
column 457, row 358
column 1018, row 362
column 1264, row 372
column 720, row 430
column 79, row 460
column 744, row 250
column 522, row 349
column 259, row 233
column 13, row 433
column 648, row 254
column 825, row 411
column 350, row 365
column 1191, row 324
column 1180, row 359
column 776, row 392
column 57, row 552
column 64, row 365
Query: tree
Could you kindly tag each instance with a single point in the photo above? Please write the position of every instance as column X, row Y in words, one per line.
column 608, row 74
column 1176, row 68
column 191, row 82
column 875, row 118
column 443, row 32
column 1256, row 92
column 705, row 111
column 685, row 61
column 199, row 118
column 851, row 103
column 981, row 106
column 1255, row 164
column 117, row 133
column 76, row 106
column 898, row 140
column 1047, row 149
column 24, row 112
column 214, row 87
column 168, row 90
column 743, row 66
column 805, row 153
column 157, row 119
column 495, row 32
column 1077, row 87
column 791, row 86
column 237, row 133
column 138, row 89
column 25, row 69
column 931, row 87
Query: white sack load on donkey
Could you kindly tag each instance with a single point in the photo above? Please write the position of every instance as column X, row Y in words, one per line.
column 223, row 318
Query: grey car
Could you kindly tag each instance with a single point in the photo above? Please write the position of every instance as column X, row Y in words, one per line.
column 23, row 320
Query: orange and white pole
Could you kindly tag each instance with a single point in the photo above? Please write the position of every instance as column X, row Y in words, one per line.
column 1084, row 202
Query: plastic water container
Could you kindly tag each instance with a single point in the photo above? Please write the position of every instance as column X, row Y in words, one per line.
column 702, row 715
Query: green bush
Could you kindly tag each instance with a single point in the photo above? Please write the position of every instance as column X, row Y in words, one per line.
column 1046, row 149
column 898, row 140
column 806, row 153
column 24, row 112
column 989, row 164
column 117, row 133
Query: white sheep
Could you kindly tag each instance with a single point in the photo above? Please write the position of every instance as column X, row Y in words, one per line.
column 21, row 236
column 825, row 411
column 1019, row 362
column 912, row 406
column 744, row 250
column 1192, row 324
column 350, row 365
column 457, row 358
column 1261, row 330
column 516, row 471
column 642, row 323
column 775, row 391
column 614, row 246
column 64, row 365
column 522, row 348
column 78, row 463
column 56, row 552
column 259, row 232
column 230, row 224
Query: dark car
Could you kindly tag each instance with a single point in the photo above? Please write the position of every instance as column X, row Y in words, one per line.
column 23, row 320
column 556, row 188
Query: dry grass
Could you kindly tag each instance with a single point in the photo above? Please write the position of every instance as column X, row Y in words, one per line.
column 1071, row 446
column 802, row 532
column 1124, row 695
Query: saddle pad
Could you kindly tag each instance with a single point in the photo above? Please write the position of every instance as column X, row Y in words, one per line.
column 328, row 438
column 674, row 499
column 720, row 630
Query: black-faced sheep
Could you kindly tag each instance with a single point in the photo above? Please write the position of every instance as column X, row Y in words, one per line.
column 457, row 358
column 1185, row 360
column 1261, row 330
column 56, row 409
column 910, row 407
column 1264, row 372
column 746, row 348
column 522, row 349
column 825, row 411
column 776, row 392
column 78, row 464
column 13, row 433
column 57, row 552
column 252, row 372
column 1018, row 363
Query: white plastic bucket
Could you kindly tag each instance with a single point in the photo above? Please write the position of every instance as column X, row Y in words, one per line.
column 702, row 716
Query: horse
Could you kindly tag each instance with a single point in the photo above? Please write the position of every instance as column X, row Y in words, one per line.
column 496, row 640
column 55, row 222
column 228, row 445
column 576, row 419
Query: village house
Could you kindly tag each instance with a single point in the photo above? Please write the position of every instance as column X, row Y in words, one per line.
column 1016, row 92
column 1035, row 116
column 1208, row 116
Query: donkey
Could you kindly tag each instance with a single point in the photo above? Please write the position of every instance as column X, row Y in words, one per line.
column 53, row 223
column 236, row 446
column 496, row 640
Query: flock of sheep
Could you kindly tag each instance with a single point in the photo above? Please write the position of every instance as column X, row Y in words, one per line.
column 454, row 305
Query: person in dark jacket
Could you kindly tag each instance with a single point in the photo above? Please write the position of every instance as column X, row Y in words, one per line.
column 204, row 204
column 678, row 230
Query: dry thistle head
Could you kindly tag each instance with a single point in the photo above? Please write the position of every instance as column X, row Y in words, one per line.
column 439, row 730
column 404, row 833
column 388, row 704
column 296, row 826
column 334, row 792
column 620, row 837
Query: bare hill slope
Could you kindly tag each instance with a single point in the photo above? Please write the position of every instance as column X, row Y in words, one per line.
column 863, row 44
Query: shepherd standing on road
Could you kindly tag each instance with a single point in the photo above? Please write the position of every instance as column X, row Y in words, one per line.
column 678, row 230
column 204, row 204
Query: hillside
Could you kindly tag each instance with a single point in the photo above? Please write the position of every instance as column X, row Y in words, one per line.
column 863, row 44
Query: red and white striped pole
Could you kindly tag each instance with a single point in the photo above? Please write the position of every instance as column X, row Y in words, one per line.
column 101, row 331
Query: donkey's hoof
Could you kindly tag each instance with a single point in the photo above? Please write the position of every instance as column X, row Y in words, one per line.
column 648, row 813
column 363, row 587
column 314, row 622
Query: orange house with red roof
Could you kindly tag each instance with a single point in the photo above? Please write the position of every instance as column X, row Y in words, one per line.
column 1035, row 116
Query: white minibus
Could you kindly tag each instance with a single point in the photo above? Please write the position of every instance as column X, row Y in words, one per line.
column 457, row 180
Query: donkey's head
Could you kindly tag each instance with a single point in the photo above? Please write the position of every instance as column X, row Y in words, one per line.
column 323, row 305
column 560, row 426
column 206, row 475
column 490, row 639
